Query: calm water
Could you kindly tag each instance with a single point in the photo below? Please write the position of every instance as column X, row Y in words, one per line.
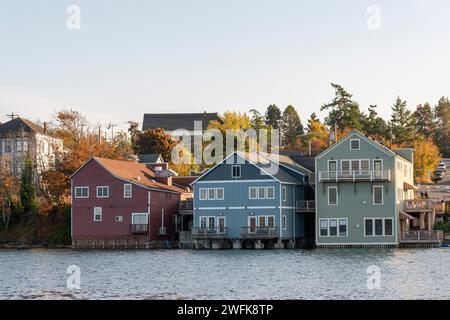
column 187, row 274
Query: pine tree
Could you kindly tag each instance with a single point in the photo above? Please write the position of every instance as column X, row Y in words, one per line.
column 344, row 112
column 375, row 126
column 402, row 123
column 273, row 116
column 442, row 133
column 424, row 119
column 28, row 197
column 292, row 127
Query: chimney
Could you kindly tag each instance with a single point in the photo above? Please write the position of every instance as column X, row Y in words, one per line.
column 45, row 127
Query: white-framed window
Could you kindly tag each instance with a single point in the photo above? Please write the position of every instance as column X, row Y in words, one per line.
column 378, row 195
column 127, row 190
column 378, row 227
column 19, row 146
column 355, row 165
column 333, row 227
column 203, row 193
column 118, row 219
column 332, row 166
column 8, row 146
column 98, row 214
column 261, row 193
column 332, row 196
column 252, row 193
column 211, row 194
column 81, row 192
column 102, row 192
column 219, row 194
column 271, row 221
column 139, row 218
column 235, row 171
column 221, row 225
column 203, row 221
column 270, row 193
column 211, row 222
column 283, row 193
column 355, row 144
column 25, row 145
column 284, row 222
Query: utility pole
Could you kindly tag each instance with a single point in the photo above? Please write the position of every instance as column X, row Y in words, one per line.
column 12, row 115
column 111, row 126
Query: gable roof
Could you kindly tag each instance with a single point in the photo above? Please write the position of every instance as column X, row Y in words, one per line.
column 150, row 158
column 133, row 172
column 173, row 121
column 298, row 159
column 375, row 143
column 17, row 125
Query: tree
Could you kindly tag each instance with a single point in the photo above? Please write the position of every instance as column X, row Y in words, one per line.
column 28, row 198
column 257, row 121
column 344, row 112
column 155, row 141
column 273, row 116
column 291, row 127
column 375, row 126
column 402, row 124
column 317, row 136
column 426, row 158
column 9, row 192
column 424, row 119
column 442, row 133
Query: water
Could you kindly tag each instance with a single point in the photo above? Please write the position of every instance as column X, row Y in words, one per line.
column 188, row 274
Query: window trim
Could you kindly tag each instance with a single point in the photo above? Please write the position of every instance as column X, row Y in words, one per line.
column 267, row 193
column 373, row 163
column 334, row 161
column 284, row 221
column 337, row 196
column 200, row 193
column 284, row 193
column 383, row 227
column 217, row 194
column 81, row 197
column 139, row 214
column 98, row 187
column 359, row 144
column 264, row 196
column 338, row 220
column 214, row 193
column 382, row 195
column 250, row 193
column 232, row 171
column 125, row 185
column 101, row 214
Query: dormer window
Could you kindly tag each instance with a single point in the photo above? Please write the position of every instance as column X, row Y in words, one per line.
column 236, row 171
column 354, row 144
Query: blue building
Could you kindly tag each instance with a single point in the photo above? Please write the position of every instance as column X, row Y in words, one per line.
column 244, row 202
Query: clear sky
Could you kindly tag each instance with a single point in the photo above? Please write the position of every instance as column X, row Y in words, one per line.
column 132, row 57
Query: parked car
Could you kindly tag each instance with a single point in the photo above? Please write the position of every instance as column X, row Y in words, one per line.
column 438, row 176
column 442, row 166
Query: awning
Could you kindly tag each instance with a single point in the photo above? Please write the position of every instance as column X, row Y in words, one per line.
column 404, row 216
column 407, row 186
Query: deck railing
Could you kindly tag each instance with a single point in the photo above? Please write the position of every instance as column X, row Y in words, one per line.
column 354, row 176
column 305, row 206
column 139, row 228
column 421, row 235
column 209, row 233
column 186, row 206
column 259, row 232
column 418, row 205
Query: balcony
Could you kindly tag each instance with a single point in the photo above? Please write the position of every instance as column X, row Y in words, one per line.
column 186, row 207
column 259, row 232
column 355, row 176
column 418, row 205
column 305, row 206
column 139, row 228
column 209, row 233
column 422, row 236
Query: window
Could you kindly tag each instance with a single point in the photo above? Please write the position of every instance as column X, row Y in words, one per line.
column 211, row 194
column 203, row 194
column 333, row 227
column 262, row 221
column 211, row 222
column 221, row 224
column 102, row 192
column 219, row 194
column 236, row 171
column 119, row 219
column 378, row 227
column 25, row 145
column 261, row 193
column 270, row 193
column 81, row 192
column 377, row 195
column 252, row 193
column 139, row 218
column 354, row 144
column 271, row 221
column 342, row 227
column 203, row 222
column 97, row 214
column 364, row 165
column 332, row 196
column 323, row 227
column 19, row 145
column 332, row 165
column 8, row 147
column 377, row 164
column 127, row 190
column 345, row 166
column 283, row 193
column 284, row 220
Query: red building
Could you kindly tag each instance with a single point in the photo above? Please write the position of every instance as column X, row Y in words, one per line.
column 123, row 204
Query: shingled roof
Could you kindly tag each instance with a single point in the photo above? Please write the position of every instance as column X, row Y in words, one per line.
column 18, row 125
column 173, row 121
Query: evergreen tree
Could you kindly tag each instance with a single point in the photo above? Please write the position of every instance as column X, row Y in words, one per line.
column 344, row 112
column 312, row 118
column 402, row 123
column 375, row 126
column 442, row 133
column 273, row 116
column 424, row 119
column 28, row 197
column 257, row 121
column 292, row 127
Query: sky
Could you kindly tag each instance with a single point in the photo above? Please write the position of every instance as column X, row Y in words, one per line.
column 156, row 56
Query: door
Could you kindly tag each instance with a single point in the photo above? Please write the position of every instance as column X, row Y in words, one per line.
column 252, row 224
column 221, row 225
column 377, row 169
column 332, row 169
